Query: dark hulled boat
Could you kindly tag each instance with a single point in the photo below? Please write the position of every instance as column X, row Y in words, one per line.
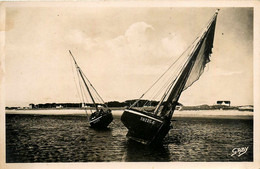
column 152, row 127
column 102, row 116
column 145, row 127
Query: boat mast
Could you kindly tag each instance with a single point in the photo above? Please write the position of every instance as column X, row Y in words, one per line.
column 182, row 78
column 81, row 75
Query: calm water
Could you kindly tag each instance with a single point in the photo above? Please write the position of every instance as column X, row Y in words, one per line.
column 46, row 138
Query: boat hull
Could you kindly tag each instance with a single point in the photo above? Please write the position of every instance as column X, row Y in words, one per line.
column 101, row 121
column 145, row 127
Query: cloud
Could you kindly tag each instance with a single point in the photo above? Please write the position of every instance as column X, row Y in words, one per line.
column 174, row 45
column 140, row 54
column 139, row 49
column 140, row 32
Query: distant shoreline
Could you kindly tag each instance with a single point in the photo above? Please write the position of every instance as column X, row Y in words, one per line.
column 115, row 105
column 219, row 114
column 184, row 108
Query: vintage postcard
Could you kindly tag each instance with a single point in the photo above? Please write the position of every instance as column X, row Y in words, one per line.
column 129, row 84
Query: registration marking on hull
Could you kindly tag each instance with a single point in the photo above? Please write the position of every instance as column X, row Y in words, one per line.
column 95, row 119
column 134, row 112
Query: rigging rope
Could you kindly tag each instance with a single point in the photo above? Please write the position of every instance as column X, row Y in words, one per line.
column 164, row 72
column 192, row 44
column 74, row 78
column 81, row 95
column 168, row 82
column 82, row 92
column 99, row 97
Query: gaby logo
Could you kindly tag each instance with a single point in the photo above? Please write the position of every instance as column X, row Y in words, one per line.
column 239, row 151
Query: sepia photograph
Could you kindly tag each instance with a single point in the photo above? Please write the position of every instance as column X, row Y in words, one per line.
column 91, row 83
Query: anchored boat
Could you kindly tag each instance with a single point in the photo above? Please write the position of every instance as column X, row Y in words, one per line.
column 151, row 127
column 102, row 116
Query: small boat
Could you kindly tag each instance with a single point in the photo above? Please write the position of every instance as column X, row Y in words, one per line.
column 152, row 127
column 101, row 118
column 102, row 115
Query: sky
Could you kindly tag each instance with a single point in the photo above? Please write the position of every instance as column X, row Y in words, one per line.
column 123, row 50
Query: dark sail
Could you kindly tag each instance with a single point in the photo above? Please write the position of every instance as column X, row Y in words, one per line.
column 192, row 69
column 151, row 128
column 203, row 57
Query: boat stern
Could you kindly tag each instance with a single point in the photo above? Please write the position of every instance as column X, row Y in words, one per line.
column 144, row 127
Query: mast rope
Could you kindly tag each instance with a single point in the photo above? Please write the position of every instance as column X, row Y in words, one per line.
column 75, row 79
column 198, row 36
column 99, row 97
column 84, row 94
column 164, row 72
column 80, row 94
column 88, row 85
column 168, row 82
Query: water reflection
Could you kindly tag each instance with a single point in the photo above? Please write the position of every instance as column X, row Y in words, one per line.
column 139, row 152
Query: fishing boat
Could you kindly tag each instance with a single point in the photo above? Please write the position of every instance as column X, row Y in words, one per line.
column 151, row 127
column 102, row 115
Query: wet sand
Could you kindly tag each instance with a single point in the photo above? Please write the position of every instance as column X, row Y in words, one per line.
column 68, row 138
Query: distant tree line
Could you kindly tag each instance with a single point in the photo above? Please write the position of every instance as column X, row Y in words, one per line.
column 212, row 107
column 126, row 103
column 140, row 103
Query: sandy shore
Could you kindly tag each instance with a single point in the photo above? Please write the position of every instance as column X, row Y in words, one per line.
column 233, row 114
